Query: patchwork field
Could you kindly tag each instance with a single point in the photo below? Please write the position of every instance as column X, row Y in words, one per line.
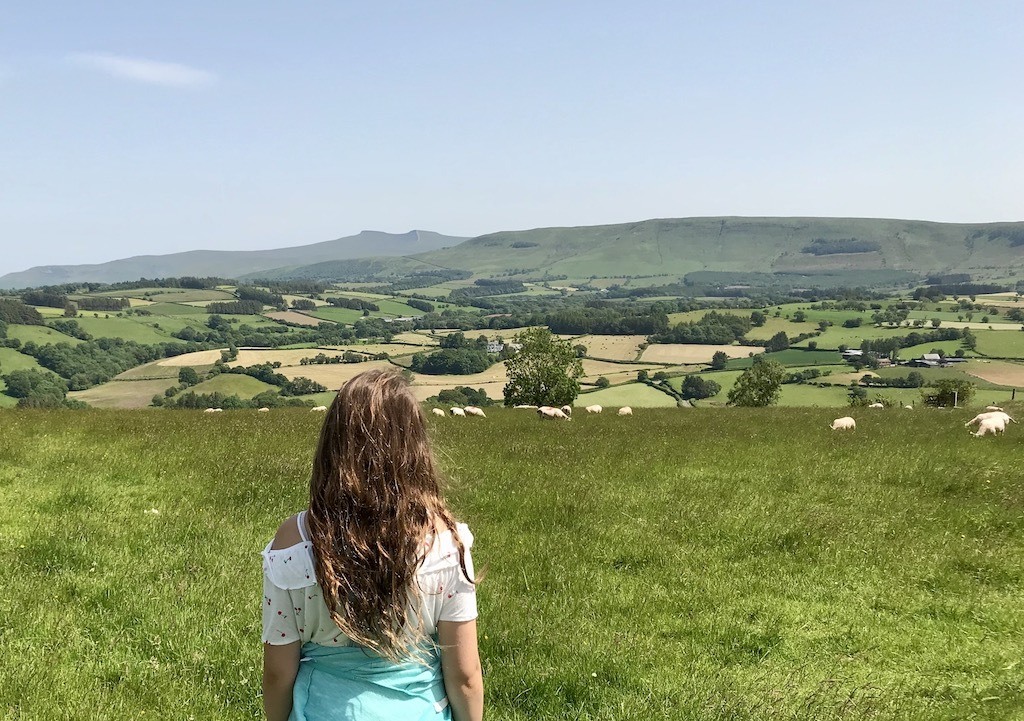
column 684, row 353
column 236, row 384
column 124, row 394
column 615, row 347
column 291, row 316
column 680, row 564
column 638, row 395
column 1000, row 373
column 38, row 334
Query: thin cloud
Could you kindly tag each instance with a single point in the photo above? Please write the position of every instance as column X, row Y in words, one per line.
column 145, row 71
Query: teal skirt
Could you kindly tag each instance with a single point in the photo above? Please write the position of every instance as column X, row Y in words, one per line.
column 350, row 682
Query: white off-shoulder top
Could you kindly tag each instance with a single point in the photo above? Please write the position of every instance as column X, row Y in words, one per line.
column 294, row 609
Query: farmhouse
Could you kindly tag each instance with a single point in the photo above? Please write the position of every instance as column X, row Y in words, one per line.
column 934, row 360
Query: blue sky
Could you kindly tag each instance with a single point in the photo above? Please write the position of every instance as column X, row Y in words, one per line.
column 131, row 128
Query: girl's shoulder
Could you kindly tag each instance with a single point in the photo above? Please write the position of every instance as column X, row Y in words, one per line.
column 288, row 558
column 442, row 551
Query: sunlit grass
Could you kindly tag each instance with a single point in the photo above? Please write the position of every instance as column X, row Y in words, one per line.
column 709, row 564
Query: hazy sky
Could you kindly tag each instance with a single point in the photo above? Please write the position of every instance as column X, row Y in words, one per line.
column 132, row 127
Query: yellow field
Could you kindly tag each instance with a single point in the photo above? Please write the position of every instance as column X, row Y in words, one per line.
column 199, row 358
column 332, row 376
column 1001, row 373
column 289, row 298
column 595, row 368
column 123, row 394
column 415, row 338
column 616, row 347
column 392, row 349
column 687, row 353
column 292, row 316
column 136, row 302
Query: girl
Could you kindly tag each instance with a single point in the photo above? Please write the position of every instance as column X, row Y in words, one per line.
column 369, row 606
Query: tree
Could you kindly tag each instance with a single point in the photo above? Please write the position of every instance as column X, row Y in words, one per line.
column 948, row 392
column 779, row 341
column 695, row 388
column 759, row 385
column 719, row 360
column 580, row 350
column 799, row 316
column 758, row 318
column 545, row 371
column 602, row 382
column 188, row 376
column 641, row 376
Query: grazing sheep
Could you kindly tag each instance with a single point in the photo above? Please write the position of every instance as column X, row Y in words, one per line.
column 263, row 410
column 458, row 412
column 990, row 425
column 993, row 408
column 594, row 409
column 437, row 412
column 625, row 411
column 567, row 410
column 1004, row 417
column 474, row 411
column 218, row 410
column 877, row 405
column 844, row 424
column 909, row 408
column 209, row 410
column 551, row 414
column 318, row 409
column 525, row 406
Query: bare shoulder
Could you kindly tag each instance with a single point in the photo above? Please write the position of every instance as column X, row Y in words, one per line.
column 287, row 533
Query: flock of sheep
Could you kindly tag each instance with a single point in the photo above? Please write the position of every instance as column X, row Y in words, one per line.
column 549, row 413
column 991, row 422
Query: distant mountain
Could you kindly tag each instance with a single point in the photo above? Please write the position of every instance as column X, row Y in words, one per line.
column 765, row 245
column 233, row 263
column 843, row 251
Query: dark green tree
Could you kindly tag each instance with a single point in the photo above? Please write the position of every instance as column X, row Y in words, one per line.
column 545, row 371
column 719, row 359
column 695, row 388
column 758, row 318
column 779, row 341
column 188, row 376
column 759, row 385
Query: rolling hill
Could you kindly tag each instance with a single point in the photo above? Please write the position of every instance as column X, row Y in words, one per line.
column 232, row 263
column 825, row 251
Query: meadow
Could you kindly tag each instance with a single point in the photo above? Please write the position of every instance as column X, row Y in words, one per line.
column 702, row 564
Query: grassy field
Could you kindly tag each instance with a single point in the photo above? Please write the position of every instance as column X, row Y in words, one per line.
column 12, row 360
column 677, row 565
column 640, row 395
column 237, row 384
column 39, row 334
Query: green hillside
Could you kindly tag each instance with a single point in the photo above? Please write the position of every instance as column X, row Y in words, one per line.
column 730, row 244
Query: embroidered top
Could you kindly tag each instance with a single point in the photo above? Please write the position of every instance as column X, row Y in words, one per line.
column 294, row 609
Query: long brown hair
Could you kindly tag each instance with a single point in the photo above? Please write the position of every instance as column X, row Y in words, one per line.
column 374, row 495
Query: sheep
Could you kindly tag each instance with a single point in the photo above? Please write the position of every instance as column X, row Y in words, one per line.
column 458, row 412
column 209, row 410
column 993, row 408
column 625, row 411
column 594, row 409
column 525, row 406
column 567, row 410
column 551, row 414
column 318, row 409
column 474, row 411
column 877, row 405
column 909, row 408
column 1004, row 417
column 990, row 425
column 218, row 410
column 263, row 410
column 844, row 424
column 437, row 412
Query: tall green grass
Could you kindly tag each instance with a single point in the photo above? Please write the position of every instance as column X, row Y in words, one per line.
column 717, row 564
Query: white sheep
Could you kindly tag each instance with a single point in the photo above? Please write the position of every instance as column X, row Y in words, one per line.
column 993, row 408
column 474, row 411
column 318, row 409
column 990, row 425
column 567, row 410
column 551, row 414
column 909, row 408
column 437, row 412
column 209, row 410
column 1004, row 417
column 625, row 411
column 458, row 412
column 594, row 409
column 525, row 406
column 877, row 405
column 263, row 410
column 844, row 424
